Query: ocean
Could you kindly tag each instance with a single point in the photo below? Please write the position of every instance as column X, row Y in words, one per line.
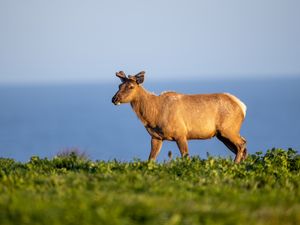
column 43, row 120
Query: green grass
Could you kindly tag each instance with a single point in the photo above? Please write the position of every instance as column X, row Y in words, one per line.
column 70, row 189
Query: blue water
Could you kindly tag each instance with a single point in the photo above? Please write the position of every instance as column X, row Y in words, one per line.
column 46, row 119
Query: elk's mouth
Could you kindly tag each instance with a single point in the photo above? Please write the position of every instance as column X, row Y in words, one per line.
column 116, row 103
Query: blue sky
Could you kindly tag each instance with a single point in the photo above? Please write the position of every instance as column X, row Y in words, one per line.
column 87, row 41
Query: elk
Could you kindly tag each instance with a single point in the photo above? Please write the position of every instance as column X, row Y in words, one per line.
column 180, row 117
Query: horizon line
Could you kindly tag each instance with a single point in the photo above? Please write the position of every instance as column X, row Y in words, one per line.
column 175, row 78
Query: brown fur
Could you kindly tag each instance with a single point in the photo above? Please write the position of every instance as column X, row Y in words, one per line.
column 178, row 117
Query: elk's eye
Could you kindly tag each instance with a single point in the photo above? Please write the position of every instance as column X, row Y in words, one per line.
column 131, row 87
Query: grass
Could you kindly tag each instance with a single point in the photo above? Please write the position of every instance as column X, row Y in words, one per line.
column 70, row 189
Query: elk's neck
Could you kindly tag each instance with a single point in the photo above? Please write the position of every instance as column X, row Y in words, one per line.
column 146, row 106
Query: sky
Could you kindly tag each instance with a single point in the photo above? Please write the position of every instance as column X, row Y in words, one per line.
column 44, row 41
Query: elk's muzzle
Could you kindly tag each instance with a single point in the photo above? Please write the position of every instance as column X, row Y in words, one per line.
column 115, row 100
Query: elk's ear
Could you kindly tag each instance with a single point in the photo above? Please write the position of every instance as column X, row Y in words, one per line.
column 140, row 77
column 121, row 75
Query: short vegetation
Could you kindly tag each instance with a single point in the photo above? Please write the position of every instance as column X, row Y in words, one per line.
column 70, row 189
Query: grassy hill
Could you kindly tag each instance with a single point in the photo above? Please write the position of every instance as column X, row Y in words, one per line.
column 70, row 189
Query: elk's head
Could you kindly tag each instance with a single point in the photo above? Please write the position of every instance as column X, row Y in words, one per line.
column 128, row 88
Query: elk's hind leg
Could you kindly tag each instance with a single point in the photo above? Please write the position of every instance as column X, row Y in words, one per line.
column 245, row 153
column 236, row 144
column 228, row 143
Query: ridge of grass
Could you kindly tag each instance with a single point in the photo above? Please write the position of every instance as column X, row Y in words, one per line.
column 71, row 189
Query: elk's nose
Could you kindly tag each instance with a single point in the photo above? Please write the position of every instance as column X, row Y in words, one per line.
column 114, row 100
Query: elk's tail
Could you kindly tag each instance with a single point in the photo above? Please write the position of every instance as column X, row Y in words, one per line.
column 239, row 102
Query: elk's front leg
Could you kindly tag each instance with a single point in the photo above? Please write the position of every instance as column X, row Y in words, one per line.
column 155, row 148
column 183, row 147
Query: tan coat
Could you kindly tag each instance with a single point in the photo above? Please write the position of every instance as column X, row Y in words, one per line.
column 179, row 117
